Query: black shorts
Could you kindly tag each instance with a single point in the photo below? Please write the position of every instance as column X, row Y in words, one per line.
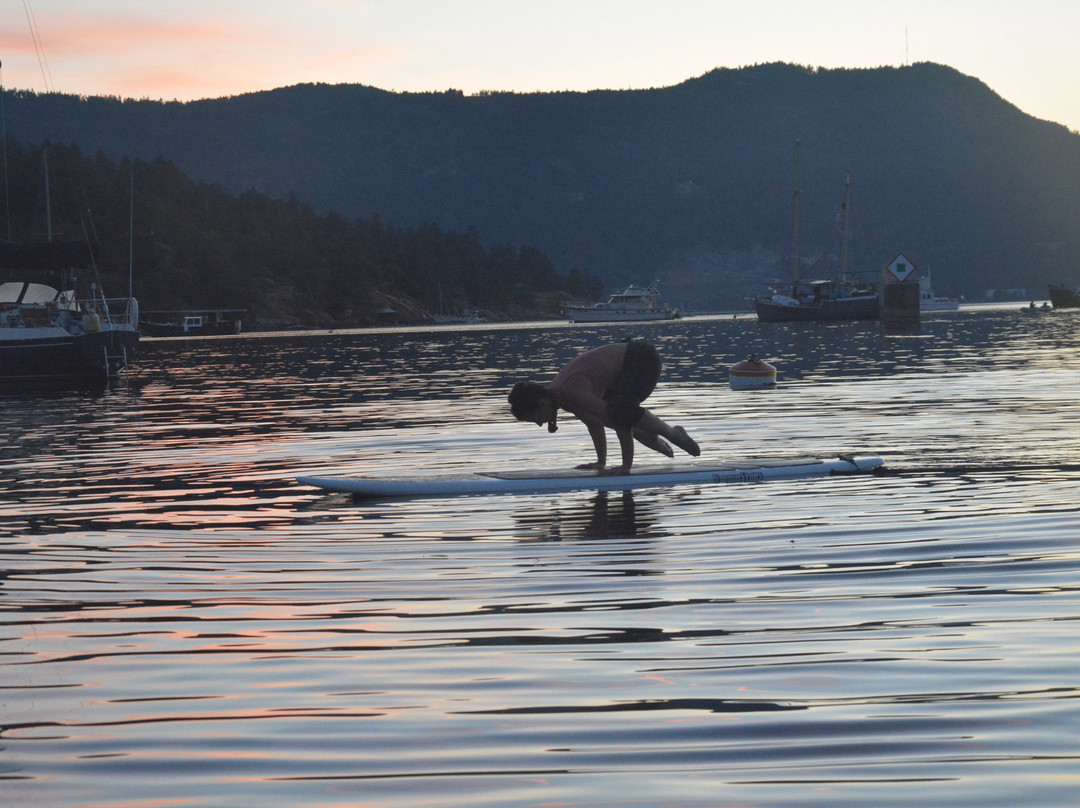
column 638, row 378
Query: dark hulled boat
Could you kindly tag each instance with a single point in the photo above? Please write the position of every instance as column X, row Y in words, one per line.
column 1064, row 297
column 808, row 301
column 56, row 335
column 819, row 300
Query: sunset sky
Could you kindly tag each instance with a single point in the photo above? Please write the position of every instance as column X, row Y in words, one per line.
column 1024, row 50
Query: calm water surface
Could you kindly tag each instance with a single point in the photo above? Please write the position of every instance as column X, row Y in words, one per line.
column 182, row 624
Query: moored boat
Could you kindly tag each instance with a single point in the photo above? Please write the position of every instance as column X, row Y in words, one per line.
column 819, row 300
column 60, row 332
column 191, row 323
column 53, row 336
column 633, row 304
column 807, row 301
column 928, row 301
column 55, row 330
column 466, row 317
column 449, row 316
column 1064, row 297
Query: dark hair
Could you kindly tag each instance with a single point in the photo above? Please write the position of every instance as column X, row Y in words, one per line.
column 524, row 398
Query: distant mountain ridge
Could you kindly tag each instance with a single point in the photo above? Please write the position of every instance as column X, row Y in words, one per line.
column 691, row 184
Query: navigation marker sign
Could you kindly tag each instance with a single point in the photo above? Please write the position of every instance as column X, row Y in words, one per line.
column 901, row 268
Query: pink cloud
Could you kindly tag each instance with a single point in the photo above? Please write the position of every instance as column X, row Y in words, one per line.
column 75, row 34
column 136, row 55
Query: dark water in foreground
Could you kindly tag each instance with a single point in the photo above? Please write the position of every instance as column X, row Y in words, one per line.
column 181, row 624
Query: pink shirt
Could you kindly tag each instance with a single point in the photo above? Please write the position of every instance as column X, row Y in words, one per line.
column 590, row 367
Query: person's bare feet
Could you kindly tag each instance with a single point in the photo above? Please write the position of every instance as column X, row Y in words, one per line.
column 685, row 442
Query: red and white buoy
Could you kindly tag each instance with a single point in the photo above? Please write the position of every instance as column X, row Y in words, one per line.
column 751, row 374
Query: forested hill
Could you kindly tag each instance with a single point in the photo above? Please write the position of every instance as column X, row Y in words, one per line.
column 692, row 183
column 192, row 245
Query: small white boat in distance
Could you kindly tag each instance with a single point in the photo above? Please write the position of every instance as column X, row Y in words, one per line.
column 634, row 304
column 928, row 301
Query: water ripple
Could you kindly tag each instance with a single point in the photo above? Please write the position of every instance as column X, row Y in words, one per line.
column 181, row 621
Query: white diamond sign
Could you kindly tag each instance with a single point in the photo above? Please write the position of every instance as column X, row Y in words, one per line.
column 901, row 268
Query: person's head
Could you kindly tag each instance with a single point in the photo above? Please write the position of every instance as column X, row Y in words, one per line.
column 533, row 402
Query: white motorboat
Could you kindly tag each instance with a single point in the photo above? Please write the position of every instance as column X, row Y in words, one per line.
column 633, row 304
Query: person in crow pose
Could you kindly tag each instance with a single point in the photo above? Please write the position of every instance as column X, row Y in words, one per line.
column 604, row 388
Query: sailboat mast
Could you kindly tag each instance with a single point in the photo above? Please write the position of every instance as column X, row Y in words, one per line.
column 48, row 198
column 131, row 236
column 795, row 221
column 846, row 228
column 3, row 138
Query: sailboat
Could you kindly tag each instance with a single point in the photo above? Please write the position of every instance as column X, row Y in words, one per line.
column 448, row 317
column 60, row 332
column 811, row 300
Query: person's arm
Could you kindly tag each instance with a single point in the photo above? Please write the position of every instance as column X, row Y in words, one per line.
column 577, row 398
column 626, row 444
column 599, row 439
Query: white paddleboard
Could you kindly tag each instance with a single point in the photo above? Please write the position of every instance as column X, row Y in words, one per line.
column 750, row 470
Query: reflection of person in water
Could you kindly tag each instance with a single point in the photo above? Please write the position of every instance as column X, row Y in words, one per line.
column 605, row 515
column 604, row 389
column 620, row 520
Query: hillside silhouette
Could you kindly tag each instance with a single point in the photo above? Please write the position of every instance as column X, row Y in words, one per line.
column 691, row 184
column 192, row 245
